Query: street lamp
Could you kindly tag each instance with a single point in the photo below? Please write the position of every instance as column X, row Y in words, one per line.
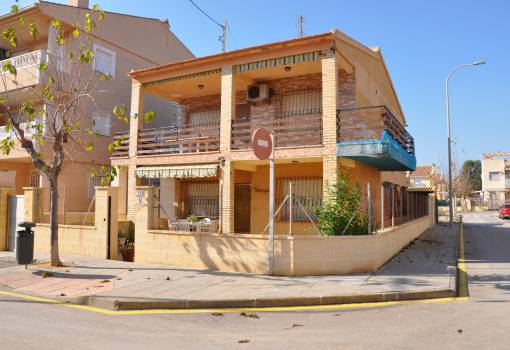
column 450, row 175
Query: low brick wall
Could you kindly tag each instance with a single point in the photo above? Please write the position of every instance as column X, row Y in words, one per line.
column 294, row 255
column 73, row 240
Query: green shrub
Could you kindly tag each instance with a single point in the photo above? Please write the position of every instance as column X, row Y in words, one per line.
column 342, row 210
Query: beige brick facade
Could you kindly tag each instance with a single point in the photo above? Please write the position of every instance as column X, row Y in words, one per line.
column 227, row 107
column 227, row 186
column 329, row 111
column 136, row 120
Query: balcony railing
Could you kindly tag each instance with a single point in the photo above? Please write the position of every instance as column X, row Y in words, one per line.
column 33, row 58
column 179, row 140
column 291, row 130
column 123, row 149
column 370, row 123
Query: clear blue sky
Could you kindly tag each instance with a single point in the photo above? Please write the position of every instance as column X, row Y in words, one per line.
column 421, row 41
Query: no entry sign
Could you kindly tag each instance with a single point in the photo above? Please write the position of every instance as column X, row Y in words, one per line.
column 262, row 143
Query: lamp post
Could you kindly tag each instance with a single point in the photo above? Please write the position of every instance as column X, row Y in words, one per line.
column 450, row 166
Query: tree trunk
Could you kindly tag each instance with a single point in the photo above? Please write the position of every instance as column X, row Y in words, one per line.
column 55, row 257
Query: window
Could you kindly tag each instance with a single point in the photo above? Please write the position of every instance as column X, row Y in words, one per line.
column 306, row 197
column 104, row 60
column 94, row 181
column 151, row 182
column 302, row 103
column 494, row 175
column 35, row 179
column 102, row 123
column 201, row 199
column 206, row 118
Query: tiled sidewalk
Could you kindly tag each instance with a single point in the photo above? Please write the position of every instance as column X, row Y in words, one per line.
column 426, row 265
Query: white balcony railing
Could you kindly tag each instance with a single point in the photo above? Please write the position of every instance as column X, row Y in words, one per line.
column 33, row 58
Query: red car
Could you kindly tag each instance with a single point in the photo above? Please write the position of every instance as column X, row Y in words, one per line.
column 504, row 212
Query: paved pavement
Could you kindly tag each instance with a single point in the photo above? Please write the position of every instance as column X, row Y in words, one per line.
column 426, row 268
column 482, row 322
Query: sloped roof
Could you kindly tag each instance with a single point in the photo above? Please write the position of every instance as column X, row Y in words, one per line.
column 423, row 170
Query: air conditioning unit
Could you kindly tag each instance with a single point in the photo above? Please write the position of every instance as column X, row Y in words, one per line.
column 257, row 93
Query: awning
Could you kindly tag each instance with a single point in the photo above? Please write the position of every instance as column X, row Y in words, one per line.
column 178, row 171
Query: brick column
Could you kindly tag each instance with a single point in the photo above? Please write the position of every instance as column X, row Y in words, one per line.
column 33, row 203
column 227, row 198
column 107, row 196
column 121, row 181
column 135, row 124
column 228, row 107
column 5, row 192
column 329, row 131
column 131, row 192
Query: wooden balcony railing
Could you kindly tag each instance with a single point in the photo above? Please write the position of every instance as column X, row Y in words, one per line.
column 302, row 129
column 123, row 149
column 178, row 140
column 369, row 123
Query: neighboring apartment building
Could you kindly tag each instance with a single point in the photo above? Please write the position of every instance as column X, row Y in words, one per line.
column 330, row 104
column 496, row 179
column 122, row 43
column 429, row 176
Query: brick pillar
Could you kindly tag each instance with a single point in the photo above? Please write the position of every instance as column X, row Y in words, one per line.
column 227, row 198
column 144, row 217
column 227, row 112
column 135, row 124
column 107, row 196
column 329, row 110
column 33, row 204
column 5, row 192
column 131, row 192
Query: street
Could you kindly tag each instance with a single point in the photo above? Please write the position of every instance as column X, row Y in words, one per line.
column 481, row 322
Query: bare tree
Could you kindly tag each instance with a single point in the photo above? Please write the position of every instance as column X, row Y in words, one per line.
column 55, row 125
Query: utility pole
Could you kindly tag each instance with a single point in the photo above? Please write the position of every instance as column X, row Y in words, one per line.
column 301, row 22
column 224, row 37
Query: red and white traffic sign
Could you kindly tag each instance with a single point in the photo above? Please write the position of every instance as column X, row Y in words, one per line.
column 262, row 143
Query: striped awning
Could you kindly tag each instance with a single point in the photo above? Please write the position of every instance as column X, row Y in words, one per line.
column 178, row 171
column 183, row 77
column 421, row 189
column 280, row 61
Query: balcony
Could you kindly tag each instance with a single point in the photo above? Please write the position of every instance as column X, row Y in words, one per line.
column 374, row 136
column 27, row 66
column 179, row 140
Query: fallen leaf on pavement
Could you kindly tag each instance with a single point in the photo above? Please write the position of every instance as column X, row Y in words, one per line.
column 105, row 281
column 459, row 331
column 46, row 274
column 243, row 341
column 217, row 314
column 244, row 314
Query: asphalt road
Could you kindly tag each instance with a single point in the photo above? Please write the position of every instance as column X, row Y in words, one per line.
column 482, row 322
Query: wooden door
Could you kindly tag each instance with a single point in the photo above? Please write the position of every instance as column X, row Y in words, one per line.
column 242, row 208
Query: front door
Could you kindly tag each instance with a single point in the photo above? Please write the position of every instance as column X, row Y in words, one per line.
column 242, row 200
column 16, row 215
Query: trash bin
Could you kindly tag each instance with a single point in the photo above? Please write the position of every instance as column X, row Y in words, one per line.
column 25, row 243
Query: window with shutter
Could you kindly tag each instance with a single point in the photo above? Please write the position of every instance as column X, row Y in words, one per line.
column 104, row 60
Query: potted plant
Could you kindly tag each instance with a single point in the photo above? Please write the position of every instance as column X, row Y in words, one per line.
column 128, row 249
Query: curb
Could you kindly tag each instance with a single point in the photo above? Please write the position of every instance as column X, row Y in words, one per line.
column 115, row 304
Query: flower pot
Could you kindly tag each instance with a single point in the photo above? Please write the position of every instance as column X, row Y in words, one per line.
column 128, row 255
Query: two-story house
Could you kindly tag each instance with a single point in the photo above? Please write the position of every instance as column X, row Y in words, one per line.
column 332, row 108
column 496, row 179
column 121, row 43
column 429, row 176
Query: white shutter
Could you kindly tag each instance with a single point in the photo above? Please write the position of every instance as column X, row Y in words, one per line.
column 102, row 123
column 104, row 60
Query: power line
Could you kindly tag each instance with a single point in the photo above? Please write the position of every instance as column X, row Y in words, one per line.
column 224, row 27
column 206, row 14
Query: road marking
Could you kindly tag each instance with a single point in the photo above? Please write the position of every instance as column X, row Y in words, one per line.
column 258, row 309
column 463, row 291
column 463, row 296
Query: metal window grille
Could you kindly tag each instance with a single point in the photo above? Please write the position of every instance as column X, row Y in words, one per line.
column 94, row 181
column 205, row 118
column 307, row 191
column 35, row 180
column 150, row 182
column 201, row 199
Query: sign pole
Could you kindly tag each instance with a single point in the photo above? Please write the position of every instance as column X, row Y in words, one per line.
column 262, row 142
column 271, row 214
